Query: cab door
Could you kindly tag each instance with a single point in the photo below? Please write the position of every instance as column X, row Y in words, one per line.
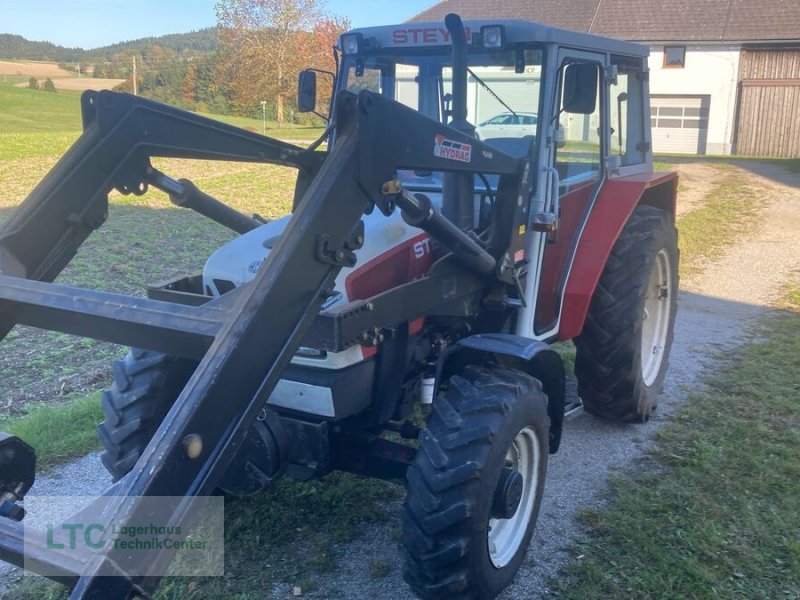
column 574, row 167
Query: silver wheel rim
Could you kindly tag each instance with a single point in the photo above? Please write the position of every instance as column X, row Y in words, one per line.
column 506, row 535
column 655, row 317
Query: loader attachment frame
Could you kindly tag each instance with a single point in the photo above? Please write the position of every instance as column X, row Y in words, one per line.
column 245, row 338
column 248, row 353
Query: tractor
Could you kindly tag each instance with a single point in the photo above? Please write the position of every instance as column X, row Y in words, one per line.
column 482, row 191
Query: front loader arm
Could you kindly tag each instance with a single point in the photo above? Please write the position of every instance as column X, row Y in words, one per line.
column 248, row 355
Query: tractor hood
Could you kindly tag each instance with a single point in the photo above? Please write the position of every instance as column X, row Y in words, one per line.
column 237, row 262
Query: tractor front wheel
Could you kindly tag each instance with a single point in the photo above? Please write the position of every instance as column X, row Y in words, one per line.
column 623, row 351
column 475, row 486
column 146, row 385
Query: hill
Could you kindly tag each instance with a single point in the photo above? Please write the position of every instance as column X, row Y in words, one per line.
column 17, row 47
column 202, row 41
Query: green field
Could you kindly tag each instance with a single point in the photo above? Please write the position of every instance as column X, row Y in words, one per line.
column 23, row 111
column 36, row 123
column 146, row 239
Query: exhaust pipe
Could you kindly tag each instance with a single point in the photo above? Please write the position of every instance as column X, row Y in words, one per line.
column 458, row 188
column 458, row 36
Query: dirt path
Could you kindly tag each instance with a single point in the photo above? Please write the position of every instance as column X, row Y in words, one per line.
column 715, row 309
column 696, row 181
column 754, row 271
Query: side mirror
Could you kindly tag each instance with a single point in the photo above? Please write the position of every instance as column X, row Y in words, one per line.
column 580, row 88
column 307, row 91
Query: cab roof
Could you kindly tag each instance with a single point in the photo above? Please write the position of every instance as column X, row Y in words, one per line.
column 434, row 33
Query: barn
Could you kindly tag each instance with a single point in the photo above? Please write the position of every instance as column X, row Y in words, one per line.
column 724, row 74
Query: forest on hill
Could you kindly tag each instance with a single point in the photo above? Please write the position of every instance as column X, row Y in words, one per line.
column 16, row 47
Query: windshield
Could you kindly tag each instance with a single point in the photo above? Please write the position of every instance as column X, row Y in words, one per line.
column 503, row 91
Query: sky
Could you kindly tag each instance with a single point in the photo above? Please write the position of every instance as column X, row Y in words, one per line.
column 94, row 23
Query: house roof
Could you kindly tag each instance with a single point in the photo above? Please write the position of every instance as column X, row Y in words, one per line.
column 643, row 20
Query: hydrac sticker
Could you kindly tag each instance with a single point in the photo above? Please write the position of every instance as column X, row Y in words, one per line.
column 452, row 150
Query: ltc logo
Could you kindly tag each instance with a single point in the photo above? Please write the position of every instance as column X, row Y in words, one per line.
column 452, row 150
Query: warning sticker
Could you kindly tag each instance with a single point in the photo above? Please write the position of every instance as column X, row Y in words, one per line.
column 452, row 150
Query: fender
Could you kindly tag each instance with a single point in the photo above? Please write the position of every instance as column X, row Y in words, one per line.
column 535, row 358
column 617, row 201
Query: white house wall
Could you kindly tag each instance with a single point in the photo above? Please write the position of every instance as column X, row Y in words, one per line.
column 711, row 71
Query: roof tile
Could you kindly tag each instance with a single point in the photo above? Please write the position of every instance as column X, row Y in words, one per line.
column 643, row 20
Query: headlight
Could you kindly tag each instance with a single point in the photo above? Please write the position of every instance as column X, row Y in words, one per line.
column 307, row 352
column 493, row 36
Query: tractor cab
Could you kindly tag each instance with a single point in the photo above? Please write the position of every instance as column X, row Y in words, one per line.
column 572, row 105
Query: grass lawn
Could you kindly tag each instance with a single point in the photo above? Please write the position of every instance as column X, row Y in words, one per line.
column 289, row 132
column 23, row 110
column 716, row 512
column 73, row 441
column 283, row 535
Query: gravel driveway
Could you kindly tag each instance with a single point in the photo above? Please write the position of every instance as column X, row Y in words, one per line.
column 715, row 310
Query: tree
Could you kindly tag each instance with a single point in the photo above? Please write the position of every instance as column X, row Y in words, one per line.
column 189, row 86
column 318, row 51
column 49, row 86
column 262, row 48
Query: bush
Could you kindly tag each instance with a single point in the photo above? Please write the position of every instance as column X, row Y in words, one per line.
column 33, row 83
column 49, row 86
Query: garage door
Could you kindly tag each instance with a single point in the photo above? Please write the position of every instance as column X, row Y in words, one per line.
column 766, row 127
column 679, row 123
column 769, row 102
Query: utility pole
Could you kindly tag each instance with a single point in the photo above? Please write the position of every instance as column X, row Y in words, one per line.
column 134, row 77
column 264, row 116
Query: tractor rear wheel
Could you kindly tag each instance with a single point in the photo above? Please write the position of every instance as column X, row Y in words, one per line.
column 475, row 486
column 623, row 351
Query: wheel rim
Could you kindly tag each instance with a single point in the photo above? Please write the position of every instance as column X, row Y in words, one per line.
column 655, row 317
column 506, row 535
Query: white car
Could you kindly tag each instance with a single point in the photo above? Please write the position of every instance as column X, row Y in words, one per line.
column 507, row 125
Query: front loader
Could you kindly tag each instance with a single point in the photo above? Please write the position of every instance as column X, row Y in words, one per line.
column 422, row 270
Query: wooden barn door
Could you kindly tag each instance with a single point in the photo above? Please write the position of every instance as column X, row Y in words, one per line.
column 768, row 119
